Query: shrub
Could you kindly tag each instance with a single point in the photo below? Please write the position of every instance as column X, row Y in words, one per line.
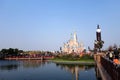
column 73, row 57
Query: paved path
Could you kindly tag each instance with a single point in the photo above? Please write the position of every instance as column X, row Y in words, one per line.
column 104, row 74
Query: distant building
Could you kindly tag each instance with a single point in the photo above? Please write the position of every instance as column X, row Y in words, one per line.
column 73, row 46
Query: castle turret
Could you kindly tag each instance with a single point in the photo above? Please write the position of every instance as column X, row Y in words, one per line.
column 75, row 37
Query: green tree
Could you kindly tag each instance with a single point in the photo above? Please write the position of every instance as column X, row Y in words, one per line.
column 98, row 45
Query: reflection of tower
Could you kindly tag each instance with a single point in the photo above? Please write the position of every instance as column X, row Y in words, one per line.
column 77, row 72
column 98, row 33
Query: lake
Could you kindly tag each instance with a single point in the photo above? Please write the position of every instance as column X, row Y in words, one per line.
column 44, row 70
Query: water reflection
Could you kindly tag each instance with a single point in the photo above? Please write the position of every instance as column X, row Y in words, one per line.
column 14, row 65
column 75, row 69
column 8, row 65
column 34, row 63
column 44, row 70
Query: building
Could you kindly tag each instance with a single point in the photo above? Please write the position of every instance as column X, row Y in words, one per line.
column 73, row 46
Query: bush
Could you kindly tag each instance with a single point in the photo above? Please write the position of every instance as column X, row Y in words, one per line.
column 73, row 57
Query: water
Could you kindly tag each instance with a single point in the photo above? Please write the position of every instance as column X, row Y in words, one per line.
column 37, row 70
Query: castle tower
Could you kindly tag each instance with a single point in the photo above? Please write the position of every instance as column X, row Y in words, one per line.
column 75, row 37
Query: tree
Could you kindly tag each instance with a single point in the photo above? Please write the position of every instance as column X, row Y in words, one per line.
column 110, row 48
column 10, row 51
column 3, row 51
column 98, row 45
column 119, row 50
column 115, row 46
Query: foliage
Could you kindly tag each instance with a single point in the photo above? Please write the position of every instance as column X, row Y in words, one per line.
column 11, row 52
column 72, row 57
column 39, row 53
column 119, row 50
column 99, row 44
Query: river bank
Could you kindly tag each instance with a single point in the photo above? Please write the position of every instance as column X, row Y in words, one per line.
column 74, row 62
column 60, row 61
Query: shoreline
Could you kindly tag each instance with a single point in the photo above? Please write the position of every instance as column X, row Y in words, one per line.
column 22, row 58
column 27, row 58
column 83, row 62
column 75, row 62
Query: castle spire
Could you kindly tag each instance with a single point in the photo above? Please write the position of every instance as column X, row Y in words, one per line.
column 75, row 37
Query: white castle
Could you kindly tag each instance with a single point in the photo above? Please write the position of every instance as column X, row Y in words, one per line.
column 73, row 45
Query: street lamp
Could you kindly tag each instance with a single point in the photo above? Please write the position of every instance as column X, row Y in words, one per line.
column 98, row 44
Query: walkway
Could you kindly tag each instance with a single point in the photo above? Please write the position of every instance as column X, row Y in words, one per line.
column 107, row 69
column 101, row 70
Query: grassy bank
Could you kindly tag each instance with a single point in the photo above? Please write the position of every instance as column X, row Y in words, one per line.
column 73, row 59
column 80, row 60
column 85, row 62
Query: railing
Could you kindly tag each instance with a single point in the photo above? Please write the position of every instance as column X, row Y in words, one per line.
column 112, row 68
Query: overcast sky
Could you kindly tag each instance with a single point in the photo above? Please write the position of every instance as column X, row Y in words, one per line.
column 47, row 24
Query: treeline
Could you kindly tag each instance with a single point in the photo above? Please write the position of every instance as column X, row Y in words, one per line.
column 39, row 53
column 113, row 47
column 10, row 52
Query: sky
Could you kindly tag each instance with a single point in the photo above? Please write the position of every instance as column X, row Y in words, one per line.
column 47, row 24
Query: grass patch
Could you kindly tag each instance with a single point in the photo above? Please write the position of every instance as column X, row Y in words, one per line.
column 82, row 60
column 76, row 58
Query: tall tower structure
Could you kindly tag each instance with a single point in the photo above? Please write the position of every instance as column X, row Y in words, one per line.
column 98, row 42
column 98, row 33
column 75, row 37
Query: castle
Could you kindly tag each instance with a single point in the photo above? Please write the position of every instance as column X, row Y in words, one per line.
column 73, row 46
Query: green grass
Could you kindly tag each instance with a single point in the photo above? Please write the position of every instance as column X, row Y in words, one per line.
column 77, row 60
column 73, row 58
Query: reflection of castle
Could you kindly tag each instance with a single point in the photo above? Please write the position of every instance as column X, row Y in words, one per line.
column 75, row 69
column 73, row 45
